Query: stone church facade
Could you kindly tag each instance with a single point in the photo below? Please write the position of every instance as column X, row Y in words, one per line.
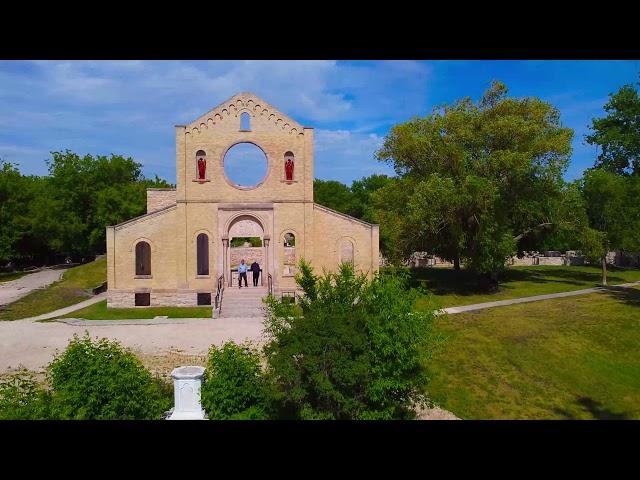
column 177, row 252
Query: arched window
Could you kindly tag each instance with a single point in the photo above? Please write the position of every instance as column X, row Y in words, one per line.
column 202, row 247
column 346, row 252
column 289, row 254
column 245, row 122
column 289, row 240
column 289, row 164
column 201, row 165
column 143, row 258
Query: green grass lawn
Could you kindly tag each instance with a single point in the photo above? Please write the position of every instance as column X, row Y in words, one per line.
column 7, row 277
column 451, row 288
column 568, row 358
column 99, row 311
column 74, row 287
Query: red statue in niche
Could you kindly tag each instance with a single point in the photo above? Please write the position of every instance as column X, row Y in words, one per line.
column 202, row 168
column 288, row 169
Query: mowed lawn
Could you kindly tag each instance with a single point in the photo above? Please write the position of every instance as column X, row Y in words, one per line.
column 75, row 286
column 568, row 358
column 453, row 288
column 99, row 311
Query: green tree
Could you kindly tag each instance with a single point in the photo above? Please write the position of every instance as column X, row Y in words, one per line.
column 234, row 386
column 618, row 133
column 613, row 211
column 334, row 195
column 479, row 177
column 356, row 350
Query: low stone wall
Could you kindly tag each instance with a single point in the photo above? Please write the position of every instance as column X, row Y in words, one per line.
column 550, row 260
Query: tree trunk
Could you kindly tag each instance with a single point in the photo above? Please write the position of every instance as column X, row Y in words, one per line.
column 456, row 262
column 488, row 282
column 604, row 270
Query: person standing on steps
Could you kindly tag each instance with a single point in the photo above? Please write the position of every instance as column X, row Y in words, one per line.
column 242, row 270
column 255, row 268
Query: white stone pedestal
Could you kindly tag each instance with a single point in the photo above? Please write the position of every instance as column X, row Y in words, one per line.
column 187, row 382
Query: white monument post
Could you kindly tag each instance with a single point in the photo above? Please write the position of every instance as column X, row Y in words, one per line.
column 186, row 386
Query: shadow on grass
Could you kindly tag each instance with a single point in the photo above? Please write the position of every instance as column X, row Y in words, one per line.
column 445, row 281
column 630, row 296
column 595, row 409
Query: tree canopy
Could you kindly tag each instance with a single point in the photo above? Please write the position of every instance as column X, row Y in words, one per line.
column 475, row 178
column 65, row 213
column 618, row 133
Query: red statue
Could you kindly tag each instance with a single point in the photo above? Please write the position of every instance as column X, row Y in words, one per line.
column 202, row 168
column 288, row 169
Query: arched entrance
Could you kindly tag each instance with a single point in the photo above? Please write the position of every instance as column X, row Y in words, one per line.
column 245, row 239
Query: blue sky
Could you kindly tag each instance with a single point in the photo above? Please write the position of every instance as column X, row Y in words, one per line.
column 131, row 107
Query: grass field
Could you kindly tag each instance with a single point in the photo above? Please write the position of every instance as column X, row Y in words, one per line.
column 569, row 358
column 72, row 288
column 7, row 277
column 452, row 288
column 99, row 311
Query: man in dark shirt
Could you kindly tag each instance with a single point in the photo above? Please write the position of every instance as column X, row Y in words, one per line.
column 255, row 268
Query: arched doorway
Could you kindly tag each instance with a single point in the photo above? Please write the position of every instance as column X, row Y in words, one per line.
column 245, row 239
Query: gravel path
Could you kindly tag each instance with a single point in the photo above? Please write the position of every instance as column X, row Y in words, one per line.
column 16, row 289
column 32, row 344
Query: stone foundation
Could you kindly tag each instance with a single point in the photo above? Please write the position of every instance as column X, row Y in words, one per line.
column 158, row 298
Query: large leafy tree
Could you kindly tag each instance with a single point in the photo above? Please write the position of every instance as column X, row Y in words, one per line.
column 65, row 213
column 476, row 178
column 613, row 212
column 618, row 133
column 334, row 195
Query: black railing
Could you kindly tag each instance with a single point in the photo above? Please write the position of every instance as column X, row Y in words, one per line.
column 270, row 284
column 219, row 293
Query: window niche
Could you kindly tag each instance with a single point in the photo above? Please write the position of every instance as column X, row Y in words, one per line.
column 201, row 167
column 346, row 252
column 289, row 167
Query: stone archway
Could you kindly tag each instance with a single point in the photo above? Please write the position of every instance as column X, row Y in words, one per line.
column 245, row 227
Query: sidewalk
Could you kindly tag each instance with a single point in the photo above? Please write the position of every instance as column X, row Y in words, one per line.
column 65, row 310
column 535, row 298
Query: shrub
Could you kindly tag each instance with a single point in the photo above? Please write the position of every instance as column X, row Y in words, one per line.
column 358, row 351
column 234, row 387
column 103, row 381
column 22, row 398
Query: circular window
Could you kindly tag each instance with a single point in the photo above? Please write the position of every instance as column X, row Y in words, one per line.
column 245, row 165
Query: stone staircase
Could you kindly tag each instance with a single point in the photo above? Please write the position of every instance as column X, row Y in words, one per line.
column 242, row 302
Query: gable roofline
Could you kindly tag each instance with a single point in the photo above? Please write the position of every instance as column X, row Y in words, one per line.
column 245, row 102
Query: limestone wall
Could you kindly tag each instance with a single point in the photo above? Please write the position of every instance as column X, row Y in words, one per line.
column 332, row 230
column 159, row 198
column 250, row 254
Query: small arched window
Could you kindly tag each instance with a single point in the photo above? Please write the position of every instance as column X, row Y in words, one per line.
column 143, row 258
column 201, row 165
column 245, row 122
column 202, row 248
column 289, row 240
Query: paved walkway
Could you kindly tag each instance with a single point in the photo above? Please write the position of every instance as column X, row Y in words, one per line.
column 534, row 298
column 16, row 289
column 72, row 308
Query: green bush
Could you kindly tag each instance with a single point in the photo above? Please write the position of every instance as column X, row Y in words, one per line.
column 103, row 381
column 234, row 386
column 358, row 350
column 23, row 398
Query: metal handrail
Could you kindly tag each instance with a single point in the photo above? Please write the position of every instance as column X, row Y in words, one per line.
column 219, row 293
column 270, row 284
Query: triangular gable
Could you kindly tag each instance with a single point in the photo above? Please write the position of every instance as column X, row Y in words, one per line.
column 246, row 102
